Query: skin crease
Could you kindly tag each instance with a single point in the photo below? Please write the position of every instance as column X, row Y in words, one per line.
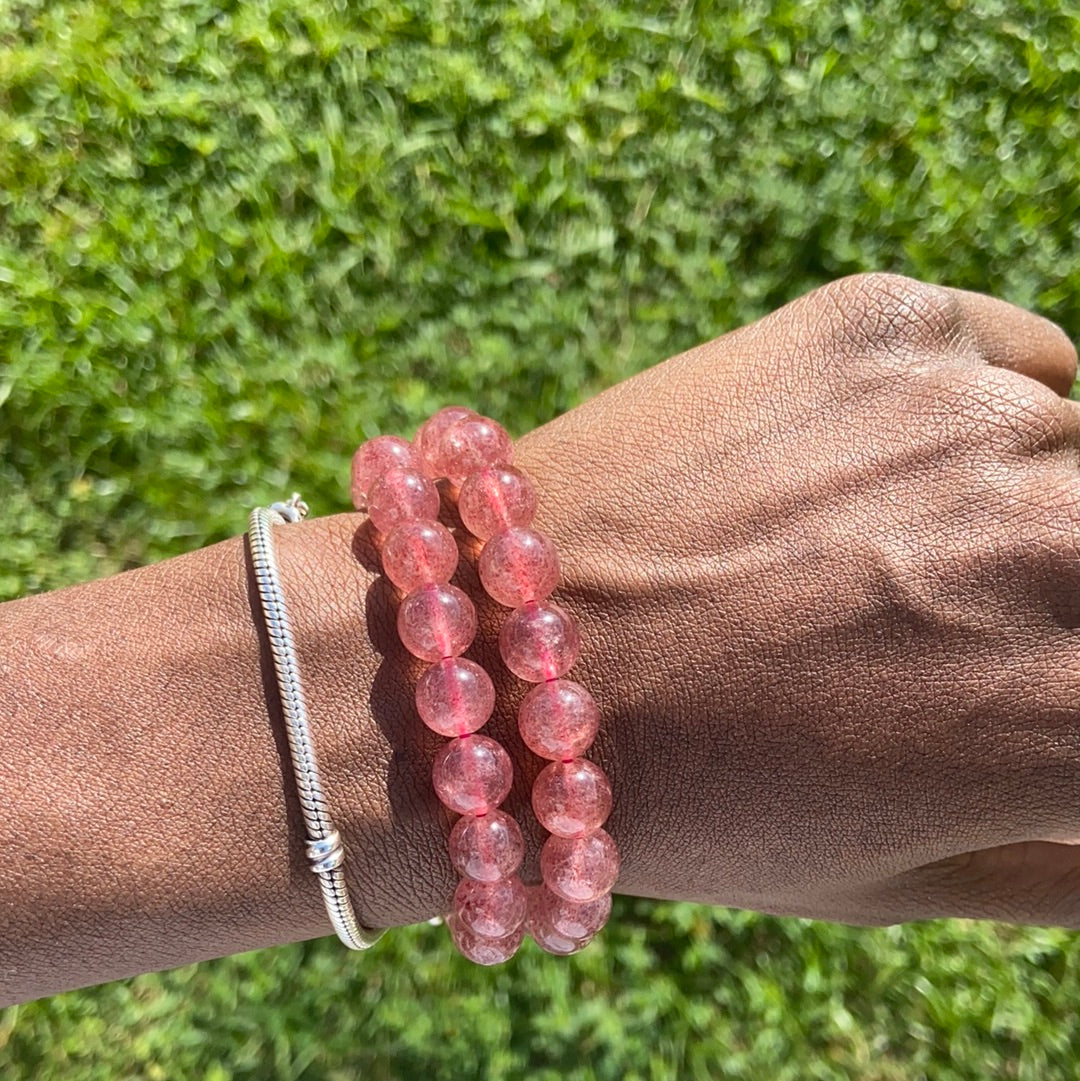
column 827, row 575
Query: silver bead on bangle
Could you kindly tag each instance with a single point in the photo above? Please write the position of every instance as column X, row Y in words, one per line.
column 324, row 849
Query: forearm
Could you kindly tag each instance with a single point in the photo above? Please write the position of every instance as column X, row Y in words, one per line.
column 149, row 816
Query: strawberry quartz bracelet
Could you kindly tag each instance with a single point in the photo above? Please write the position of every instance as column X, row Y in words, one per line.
column 396, row 482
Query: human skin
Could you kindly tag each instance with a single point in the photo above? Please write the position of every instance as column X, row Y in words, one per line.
column 827, row 573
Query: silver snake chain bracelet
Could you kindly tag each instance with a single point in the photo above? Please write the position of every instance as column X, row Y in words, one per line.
column 324, row 848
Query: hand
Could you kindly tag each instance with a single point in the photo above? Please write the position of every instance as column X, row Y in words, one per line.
column 828, row 574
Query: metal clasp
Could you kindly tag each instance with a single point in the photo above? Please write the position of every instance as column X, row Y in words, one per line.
column 294, row 510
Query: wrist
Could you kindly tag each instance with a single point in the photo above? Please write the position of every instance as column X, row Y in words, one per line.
column 375, row 756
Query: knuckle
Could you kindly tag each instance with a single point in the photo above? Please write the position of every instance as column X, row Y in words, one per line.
column 998, row 400
column 894, row 314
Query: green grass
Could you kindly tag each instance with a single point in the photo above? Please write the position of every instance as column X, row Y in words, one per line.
column 236, row 238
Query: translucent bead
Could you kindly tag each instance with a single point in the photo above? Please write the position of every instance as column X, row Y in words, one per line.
column 498, row 497
column 419, row 553
column 572, row 798
column 436, row 621
column 481, row 949
column 401, row 495
column 519, row 565
column 430, row 433
column 572, row 919
column 472, row 775
column 579, row 868
column 486, row 847
column 376, row 457
column 468, row 445
column 558, row 719
column 544, row 935
column 539, row 642
column 491, row 909
column 550, row 941
column 455, row 697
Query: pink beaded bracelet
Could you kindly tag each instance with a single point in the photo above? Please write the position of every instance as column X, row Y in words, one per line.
column 395, row 481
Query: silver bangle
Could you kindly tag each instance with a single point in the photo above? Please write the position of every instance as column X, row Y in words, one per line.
column 324, row 849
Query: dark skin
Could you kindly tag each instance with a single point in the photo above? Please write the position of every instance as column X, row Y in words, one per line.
column 828, row 579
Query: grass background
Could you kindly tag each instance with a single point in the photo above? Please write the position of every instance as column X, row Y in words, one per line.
column 237, row 238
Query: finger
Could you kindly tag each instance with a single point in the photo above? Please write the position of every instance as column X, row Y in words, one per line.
column 1070, row 422
column 1028, row 882
column 1010, row 337
column 901, row 317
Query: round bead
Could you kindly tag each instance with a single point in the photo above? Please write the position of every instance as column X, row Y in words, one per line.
column 558, row 719
column 455, row 697
column 551, row 941
column 486, row 847
column 572, row 798
column 539, row 642
column 430, row 433
column 543, row 934
column 571, row 919
column 481, row 949
column 401, row 495
column 468, row 445
column 519, row 565
column 498, row 497
column 436, row 621
column 580, row 868
column 376, row 457
column 472, row 775
column 492, row 909
column 418, row 553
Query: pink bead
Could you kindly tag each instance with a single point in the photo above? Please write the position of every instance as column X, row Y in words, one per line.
column 539, row 642
column 418, row 553
column 570, row 919
column 436, row 621
column 472, row 775
column 455, row 697
column 401, row 495
column 558, row 719
column 572, row 798
column 519, row 565
column 550, row 941
column 544, row 935
column 498, row 497
column 486, row 847
column 481, row 949
column 430, row 433
column 376, row 457
column 468, row 445
column 491, row 909
column 579, row 868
